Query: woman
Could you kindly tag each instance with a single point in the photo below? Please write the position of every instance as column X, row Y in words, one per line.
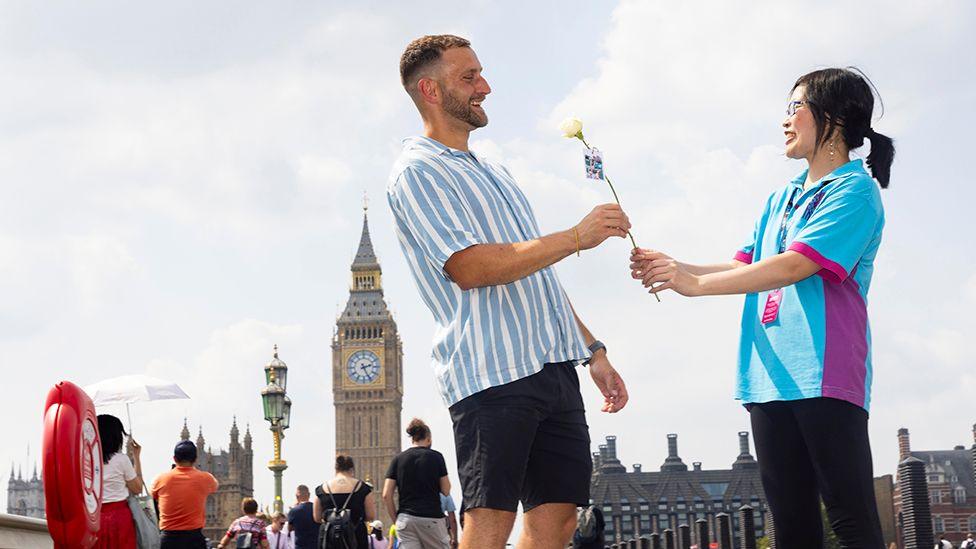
column 805, row 353
column 119, row 480
column 419, row 475
column 346, row 490
column 376, row 539
column 249, row 530
column 279, row 535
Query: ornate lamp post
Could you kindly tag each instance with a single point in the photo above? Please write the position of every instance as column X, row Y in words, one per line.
column 277, row 411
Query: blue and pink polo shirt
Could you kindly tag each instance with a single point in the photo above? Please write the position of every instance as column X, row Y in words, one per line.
column 819, row 345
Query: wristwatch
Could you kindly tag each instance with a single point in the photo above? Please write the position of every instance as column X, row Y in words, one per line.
column 594, row 347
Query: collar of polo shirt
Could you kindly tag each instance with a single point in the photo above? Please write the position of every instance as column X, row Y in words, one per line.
column 855, row 165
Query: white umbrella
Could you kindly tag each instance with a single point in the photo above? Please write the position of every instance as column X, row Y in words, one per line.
column 133, row 388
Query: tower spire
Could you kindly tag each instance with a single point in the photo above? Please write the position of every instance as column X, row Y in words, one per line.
column 234, row 432
column 365, row 256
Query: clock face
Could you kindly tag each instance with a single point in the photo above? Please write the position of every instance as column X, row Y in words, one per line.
column 363, row 367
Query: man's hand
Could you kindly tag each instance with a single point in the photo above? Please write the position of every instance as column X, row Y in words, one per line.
column 603, row 222
column 609, row 382
column 652, row 267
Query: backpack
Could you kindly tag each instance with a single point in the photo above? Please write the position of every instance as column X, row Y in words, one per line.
column 244, row 541
column 589, row 528
column 338, row 531
column 968, row 544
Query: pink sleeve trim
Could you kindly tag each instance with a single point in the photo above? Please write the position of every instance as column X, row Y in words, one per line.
column 831, row 271
column 743, row 257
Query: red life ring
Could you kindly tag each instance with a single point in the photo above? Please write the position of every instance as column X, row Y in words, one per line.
column 72, row 461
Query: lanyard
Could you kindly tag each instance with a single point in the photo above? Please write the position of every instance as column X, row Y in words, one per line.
column 788, row 212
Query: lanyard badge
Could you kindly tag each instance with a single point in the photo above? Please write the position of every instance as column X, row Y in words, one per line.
column 775, row 297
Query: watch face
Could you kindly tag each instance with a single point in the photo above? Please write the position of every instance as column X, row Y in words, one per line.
column 363, row 367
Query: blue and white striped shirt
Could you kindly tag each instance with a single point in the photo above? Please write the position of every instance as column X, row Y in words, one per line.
column 445, row 200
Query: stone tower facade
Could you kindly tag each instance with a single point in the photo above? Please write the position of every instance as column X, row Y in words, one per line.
column 25, row 497
column 367, row 373
column 234, row 470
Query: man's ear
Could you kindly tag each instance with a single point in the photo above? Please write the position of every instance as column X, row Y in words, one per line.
column 428, row 91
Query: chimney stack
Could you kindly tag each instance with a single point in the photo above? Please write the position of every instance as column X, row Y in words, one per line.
column 608, row 457
column 673, row 462
column 745, row 459
column 744, row 443
column 637, row 467
column 904, row 445
column 696, row 465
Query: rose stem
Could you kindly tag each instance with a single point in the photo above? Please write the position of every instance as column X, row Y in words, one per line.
column 615, row 197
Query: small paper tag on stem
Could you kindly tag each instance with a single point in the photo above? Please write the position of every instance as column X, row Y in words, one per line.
column 594, row 163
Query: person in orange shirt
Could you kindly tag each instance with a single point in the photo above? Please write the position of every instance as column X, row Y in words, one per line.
column 181, row 497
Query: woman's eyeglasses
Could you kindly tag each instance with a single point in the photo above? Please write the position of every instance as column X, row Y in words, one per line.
column 792, row 106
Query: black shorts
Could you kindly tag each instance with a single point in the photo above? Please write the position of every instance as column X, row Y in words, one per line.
column 526, row 441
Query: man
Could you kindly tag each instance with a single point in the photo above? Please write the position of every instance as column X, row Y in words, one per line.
column 301, row 522
column 507, row 339
column 249, row 530
column 181, row 497
column 968, row 543
column 450, row 512
column 279, row 535
column 419, row 476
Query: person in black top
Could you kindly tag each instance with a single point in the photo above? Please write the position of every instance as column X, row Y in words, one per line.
column 301, row 521
column 345, row 486
column 419, row 474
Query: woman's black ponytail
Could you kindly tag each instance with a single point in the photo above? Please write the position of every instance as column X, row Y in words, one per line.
column 881, row 155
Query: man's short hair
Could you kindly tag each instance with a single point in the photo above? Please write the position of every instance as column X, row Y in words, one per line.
column 424, row 52
column 303, row 490
column 185, row 451
column 249, row 506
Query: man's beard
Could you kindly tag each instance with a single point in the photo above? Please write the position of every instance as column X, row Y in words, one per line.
column 464, row 111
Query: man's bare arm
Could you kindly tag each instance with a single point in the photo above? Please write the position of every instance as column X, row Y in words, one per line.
column 496, row 264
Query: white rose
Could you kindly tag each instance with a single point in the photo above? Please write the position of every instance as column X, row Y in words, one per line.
column 571, row 127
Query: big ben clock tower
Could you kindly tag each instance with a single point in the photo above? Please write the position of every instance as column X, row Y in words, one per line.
column 367, row 373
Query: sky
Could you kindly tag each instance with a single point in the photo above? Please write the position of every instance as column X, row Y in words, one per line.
column 182, row 189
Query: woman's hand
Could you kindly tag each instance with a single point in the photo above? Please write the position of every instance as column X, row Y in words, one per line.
column 136, row 448
column 652, row 268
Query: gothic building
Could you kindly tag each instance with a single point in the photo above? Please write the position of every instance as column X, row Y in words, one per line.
column 951, row 479
column 25, row 497
column 367, row 373
column 234, row 470
column 637, row 502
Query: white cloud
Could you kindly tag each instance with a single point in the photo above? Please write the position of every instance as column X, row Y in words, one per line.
column 97, row 264
column 969, row 288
